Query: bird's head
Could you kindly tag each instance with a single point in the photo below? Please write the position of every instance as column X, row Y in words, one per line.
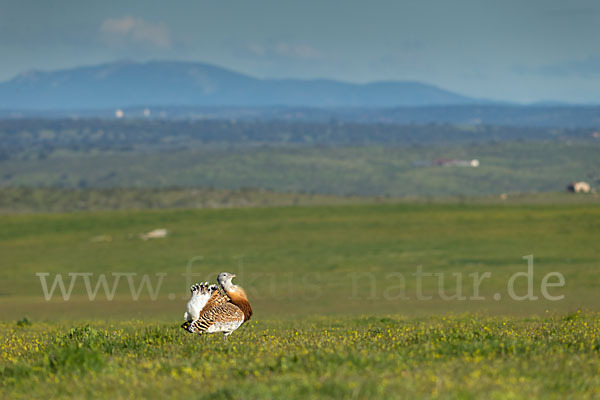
column 224, row 280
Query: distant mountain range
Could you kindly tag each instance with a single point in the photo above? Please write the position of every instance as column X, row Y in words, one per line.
column 168, row 83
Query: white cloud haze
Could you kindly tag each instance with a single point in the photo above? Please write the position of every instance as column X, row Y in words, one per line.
column 135, row 31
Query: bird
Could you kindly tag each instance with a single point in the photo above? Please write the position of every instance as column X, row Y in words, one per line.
column 217, row 308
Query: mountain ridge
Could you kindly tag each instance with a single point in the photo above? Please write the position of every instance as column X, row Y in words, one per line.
column 179, row 83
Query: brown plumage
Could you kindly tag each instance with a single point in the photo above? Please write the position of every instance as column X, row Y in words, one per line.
column 219, row 311
column 217, row 297
column 238, row 297
column 223, row 316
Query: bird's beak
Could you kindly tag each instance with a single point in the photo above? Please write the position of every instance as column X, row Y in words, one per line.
column 232, row 275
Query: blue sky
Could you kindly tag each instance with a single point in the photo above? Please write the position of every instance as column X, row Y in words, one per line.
column 522, row 51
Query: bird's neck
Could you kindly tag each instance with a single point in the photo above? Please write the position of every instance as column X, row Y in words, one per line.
column 238, row 297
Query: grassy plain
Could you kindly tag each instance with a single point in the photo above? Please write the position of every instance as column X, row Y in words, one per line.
column 374, row 170
column 454, row 357
column 302, row 260
column 337, row 313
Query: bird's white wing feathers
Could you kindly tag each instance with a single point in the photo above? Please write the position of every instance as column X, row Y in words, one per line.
column 201, row 293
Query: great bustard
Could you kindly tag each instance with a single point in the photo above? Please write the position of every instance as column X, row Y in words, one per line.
column 213, row 308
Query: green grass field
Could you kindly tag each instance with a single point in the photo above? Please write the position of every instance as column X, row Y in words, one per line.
column 337, row 308
column 506, row 167
column 302, row 260
column 455, row 357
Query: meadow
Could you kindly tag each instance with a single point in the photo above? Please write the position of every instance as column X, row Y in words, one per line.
column 392, row 170
column 453, row 357
column 338, row 312
column 358, row 258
